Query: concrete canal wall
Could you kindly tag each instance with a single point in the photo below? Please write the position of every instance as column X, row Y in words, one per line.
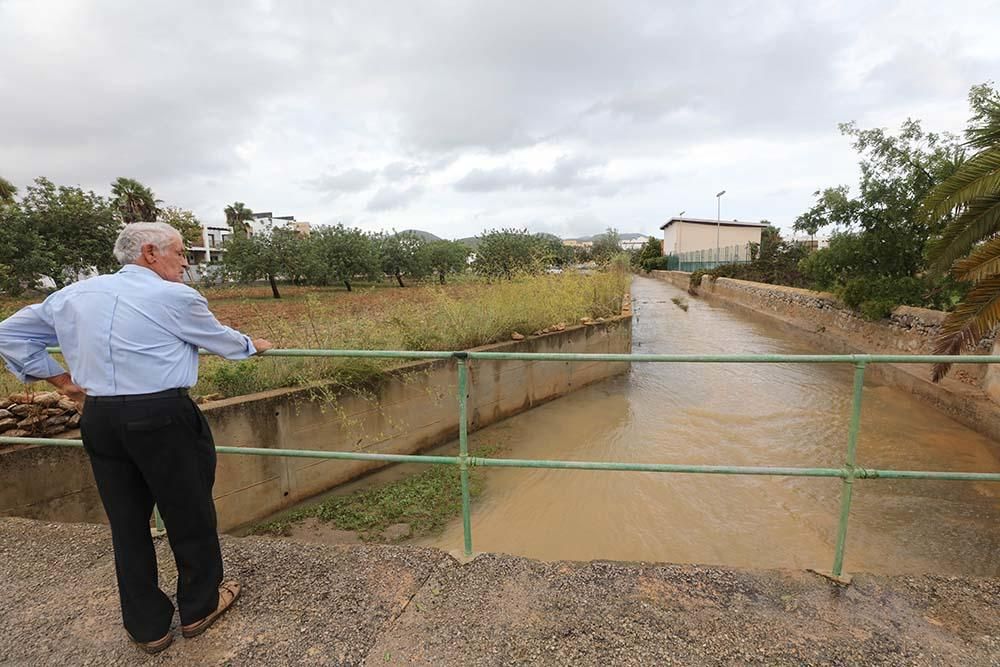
column 407, row 410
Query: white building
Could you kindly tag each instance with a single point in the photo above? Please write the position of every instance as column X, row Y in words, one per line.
column 214, row 237
column 811, row 242
column 262, row 222
column 635, row 244
column 682, row 235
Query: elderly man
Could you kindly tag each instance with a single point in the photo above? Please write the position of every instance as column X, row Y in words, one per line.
column 131, row 341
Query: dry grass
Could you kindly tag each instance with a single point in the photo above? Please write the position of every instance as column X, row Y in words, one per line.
column 448, row 317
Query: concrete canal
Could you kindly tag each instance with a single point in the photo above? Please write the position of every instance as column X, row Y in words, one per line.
column 741, row 414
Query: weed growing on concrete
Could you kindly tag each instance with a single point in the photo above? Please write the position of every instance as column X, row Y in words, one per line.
column 426, row 502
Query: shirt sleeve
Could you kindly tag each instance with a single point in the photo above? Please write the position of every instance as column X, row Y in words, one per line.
column 23, row 339
column 195, row 324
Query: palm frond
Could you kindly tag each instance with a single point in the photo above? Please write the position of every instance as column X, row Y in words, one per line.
column 978, row 176
column 979, row 220
column 982, row 263
column 984, row 126
column 969, row 323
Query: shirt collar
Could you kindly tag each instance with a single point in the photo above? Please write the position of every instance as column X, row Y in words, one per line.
column 138, row 270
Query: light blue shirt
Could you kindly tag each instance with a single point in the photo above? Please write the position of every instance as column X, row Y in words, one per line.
column 124, row 333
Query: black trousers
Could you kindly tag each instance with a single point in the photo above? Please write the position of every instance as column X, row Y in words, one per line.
column 156, row 450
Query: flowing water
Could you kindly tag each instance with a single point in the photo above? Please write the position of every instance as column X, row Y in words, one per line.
column 737, row 414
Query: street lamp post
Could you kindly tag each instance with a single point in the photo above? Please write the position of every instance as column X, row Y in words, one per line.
column 680, row 226
column 718, row 223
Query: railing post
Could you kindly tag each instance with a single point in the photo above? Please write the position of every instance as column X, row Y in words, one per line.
column 847, row 486
column 463, row 450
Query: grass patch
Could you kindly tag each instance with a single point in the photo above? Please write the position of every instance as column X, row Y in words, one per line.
column 426, row 501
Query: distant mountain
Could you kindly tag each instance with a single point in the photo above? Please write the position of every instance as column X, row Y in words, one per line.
column 471, row 241
column 426, row 236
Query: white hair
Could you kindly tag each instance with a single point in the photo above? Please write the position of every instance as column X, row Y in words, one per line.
column 128, row 247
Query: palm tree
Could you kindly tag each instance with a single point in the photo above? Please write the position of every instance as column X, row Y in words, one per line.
column 969, row 246
column 134, row 201
column 7, row 191
column 238, row 216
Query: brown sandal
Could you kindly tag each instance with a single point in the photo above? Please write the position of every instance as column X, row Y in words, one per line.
column 155, row 646
column 228, row 592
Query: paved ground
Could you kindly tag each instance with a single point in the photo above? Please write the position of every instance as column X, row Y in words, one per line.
column 377, row 605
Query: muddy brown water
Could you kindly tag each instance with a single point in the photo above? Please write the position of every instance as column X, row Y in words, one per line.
column 737, row 414
column 730, row 414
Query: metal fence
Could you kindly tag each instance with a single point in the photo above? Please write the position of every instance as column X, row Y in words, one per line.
column 848, row 473
column 709, row 258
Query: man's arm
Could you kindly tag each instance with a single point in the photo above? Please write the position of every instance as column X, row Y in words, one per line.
column 23, row 339
column 194, row 323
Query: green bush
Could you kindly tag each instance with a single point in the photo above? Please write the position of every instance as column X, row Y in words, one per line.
column 877, row 309
column 876, row 297
column 237, row 378
column 661, row 263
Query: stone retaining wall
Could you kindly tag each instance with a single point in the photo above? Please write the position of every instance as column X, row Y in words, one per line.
column 410, row 409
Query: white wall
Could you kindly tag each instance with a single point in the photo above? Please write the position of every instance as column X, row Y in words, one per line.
column 687, row 236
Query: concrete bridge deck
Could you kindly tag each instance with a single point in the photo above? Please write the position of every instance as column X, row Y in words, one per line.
column 381, row 605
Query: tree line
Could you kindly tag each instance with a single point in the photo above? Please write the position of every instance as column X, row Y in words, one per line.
column 63, row 232
column 341, row 255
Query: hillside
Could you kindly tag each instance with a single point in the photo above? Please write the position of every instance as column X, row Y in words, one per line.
column 426, row 236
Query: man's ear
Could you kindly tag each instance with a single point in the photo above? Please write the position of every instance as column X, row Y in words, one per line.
column 149, row 251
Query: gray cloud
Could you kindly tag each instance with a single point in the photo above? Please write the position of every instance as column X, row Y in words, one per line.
column 388, row 197
column 567, row 172
column 211, row 102
column 343, row 182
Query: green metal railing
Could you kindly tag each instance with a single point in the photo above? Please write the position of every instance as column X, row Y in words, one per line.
column 848, row 473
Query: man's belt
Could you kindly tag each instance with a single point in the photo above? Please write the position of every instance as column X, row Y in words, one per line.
column 128, row 398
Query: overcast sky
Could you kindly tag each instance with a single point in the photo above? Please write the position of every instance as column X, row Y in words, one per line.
column 454, row 117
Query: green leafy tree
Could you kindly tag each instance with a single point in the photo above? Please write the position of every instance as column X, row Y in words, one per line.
column 401, row 254
column 775, row 260
column 78, row 230
column 238, row 217
column 342, row 254
column 582, row 254
column 7, row 191
column 552, row 251
column 185, row 222
column 879, row 237
column 967, row 203
column 133, row 201
column 276, row 253
column 21, row 261
column 606, row 246
column 651, row 250
column 444, row 257
column 505, row 253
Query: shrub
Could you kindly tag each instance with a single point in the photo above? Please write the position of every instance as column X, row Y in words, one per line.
column 876, row 297
column 237, row 378
column 661, row 263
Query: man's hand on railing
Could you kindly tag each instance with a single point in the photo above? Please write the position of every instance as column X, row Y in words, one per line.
column 262, row 345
